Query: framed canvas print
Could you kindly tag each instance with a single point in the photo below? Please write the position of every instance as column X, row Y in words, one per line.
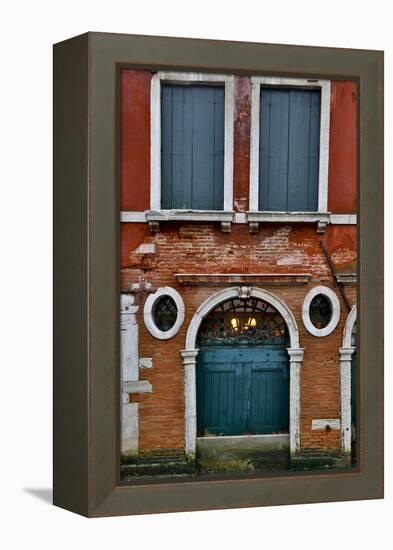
column 218, row 274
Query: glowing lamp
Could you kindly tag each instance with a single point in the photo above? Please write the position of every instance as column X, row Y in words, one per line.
column 235, row 323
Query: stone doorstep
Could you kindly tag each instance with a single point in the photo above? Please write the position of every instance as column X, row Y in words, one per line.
column 242, row 453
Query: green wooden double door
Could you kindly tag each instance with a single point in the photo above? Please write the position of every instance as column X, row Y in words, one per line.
column 242, row 391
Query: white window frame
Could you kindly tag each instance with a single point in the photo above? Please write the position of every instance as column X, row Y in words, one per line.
column 325, row 87
column 148, row 313
column 155, row 143
column 335, row 303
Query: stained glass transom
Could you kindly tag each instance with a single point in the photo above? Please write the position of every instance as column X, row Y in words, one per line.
column 243, row 322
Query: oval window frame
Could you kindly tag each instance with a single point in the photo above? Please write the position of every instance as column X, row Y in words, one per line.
column 335, row 303
column 148, row 313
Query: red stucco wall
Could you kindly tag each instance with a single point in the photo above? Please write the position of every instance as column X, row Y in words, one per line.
column 343, row 148
column 241, row 152
column 135, row 139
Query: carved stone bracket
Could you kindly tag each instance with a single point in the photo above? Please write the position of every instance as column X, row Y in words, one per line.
column 321, row 226
column 226, row 227
column 154, row 226
column 244, row 292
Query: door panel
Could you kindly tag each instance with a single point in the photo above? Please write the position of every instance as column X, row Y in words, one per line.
column 242, row 391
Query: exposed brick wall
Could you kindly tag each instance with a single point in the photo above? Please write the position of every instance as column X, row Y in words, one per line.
column 204, row 248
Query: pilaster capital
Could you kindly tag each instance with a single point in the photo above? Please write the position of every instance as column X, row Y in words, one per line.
column 296, row 355
column 189, row 356
column 127, row 302
column 346, row 353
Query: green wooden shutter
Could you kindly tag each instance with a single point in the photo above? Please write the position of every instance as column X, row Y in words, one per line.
column 192, row 147
column 289, row 149
column 242, row 391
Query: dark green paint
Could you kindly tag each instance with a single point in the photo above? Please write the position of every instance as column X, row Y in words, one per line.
column 192, row 147
column 242, row 391
column 289, row 149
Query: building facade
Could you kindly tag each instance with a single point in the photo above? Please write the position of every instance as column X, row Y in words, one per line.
column 238, row 269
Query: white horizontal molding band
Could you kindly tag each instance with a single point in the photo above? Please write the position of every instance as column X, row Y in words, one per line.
column 137, row 386
column 269, row 216
column 128, row 216
column 202, row 215
column 293, row 82
column 184, row 77
column 343, row 219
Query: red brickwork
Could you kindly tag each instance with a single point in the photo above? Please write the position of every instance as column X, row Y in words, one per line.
column 196, row 248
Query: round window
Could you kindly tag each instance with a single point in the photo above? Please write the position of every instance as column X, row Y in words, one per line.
column 164, row 313
column 320, row 311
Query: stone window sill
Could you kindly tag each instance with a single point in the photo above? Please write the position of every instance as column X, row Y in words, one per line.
column 227, row 217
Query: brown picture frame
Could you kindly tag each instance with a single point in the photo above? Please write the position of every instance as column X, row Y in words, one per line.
column 86, row 274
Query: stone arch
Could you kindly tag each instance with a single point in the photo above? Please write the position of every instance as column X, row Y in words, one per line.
column 190, row 354
column 346, row 352
column 348, row 328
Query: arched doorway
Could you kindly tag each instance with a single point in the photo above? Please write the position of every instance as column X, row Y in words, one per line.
column 243, row 370
column 191, row 351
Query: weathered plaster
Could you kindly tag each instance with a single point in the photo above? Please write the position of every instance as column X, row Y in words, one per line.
column 130, row 428
column 346, row 353
column 129, row 338
column 130, row 383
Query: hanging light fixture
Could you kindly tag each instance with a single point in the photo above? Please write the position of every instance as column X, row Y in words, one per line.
column 252, row 322
column 235, row 323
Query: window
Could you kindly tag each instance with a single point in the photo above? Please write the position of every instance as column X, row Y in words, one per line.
column 321, row 311
column 164, row 313
column 191, row 146
column 289, row 150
